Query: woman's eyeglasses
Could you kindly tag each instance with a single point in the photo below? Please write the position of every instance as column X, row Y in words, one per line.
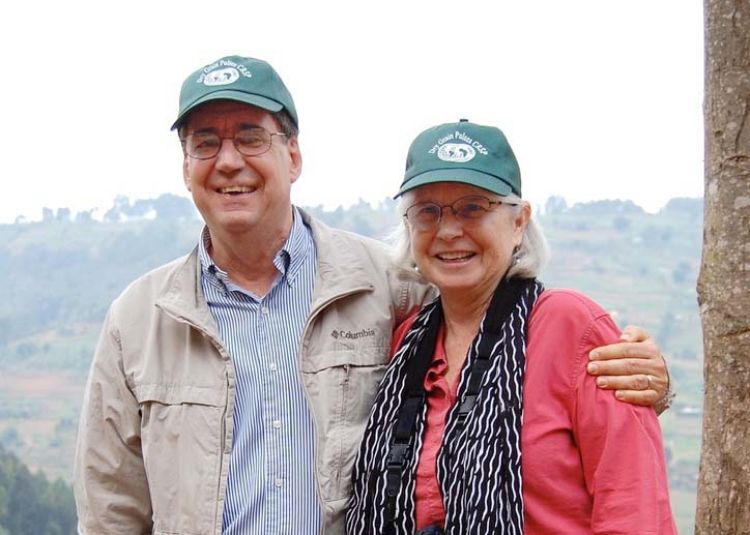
column 471, row 209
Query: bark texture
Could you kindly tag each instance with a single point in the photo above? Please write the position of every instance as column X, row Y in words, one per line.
column 724, row 282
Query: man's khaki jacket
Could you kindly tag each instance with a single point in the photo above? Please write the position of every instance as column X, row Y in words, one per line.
column 157, row 420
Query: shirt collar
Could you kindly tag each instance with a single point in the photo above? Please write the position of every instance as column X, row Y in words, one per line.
column 298, row 247
column 288, row 260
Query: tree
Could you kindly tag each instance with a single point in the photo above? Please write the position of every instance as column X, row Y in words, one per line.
column 63, row 214
column 555, row 205
column 30, row 504
column 723, row 497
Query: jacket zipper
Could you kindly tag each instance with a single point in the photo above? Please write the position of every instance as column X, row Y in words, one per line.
column 218, row 515
column 222, row 439
column 310, row 320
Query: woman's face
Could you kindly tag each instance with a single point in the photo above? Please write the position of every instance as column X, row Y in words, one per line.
column 465, row 257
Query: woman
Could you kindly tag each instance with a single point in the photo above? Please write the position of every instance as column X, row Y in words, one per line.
column 486, row 420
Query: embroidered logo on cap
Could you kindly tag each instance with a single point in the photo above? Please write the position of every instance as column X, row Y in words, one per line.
column 457, row 147
column 223, row 72
column 456, row 152
column 221, row 76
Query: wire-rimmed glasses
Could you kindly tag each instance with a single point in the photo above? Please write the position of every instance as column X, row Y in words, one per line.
column 468, row 210
column 251, row 141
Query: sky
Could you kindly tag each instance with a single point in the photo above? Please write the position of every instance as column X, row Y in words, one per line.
column 599, row 99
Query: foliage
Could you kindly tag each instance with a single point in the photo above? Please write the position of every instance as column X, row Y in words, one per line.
column 31, row 504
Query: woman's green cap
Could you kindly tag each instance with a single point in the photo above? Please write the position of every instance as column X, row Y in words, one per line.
column 462, row 152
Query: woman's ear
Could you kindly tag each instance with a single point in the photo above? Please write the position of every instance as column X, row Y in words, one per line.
column 521, row 220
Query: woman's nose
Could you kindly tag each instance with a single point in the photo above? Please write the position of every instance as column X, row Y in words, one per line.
column 449, row 225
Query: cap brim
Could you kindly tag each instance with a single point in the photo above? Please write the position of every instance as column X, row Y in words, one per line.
column 491, row 183
column 228, row 94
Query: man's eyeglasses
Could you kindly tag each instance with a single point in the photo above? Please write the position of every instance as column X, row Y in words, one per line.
column 468, row 210
column 251, row 141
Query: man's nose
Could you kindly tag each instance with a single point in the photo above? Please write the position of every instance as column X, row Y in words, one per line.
column 228, row 158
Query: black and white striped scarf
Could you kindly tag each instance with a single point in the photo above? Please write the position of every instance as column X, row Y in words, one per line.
column 479, row 464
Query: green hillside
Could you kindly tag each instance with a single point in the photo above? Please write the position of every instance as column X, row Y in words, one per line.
column 61, row 273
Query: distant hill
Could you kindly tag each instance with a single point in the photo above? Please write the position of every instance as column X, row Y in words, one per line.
column 62, row 273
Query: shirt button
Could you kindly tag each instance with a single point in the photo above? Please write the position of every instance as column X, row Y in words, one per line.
column 277, row 424
column 273, row 366
column 279, row 482
column 264, row 310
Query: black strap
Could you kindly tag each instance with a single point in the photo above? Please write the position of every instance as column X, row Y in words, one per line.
column 400, row 449
column 505, row 298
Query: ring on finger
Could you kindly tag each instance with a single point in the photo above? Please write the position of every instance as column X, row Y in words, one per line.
column 649, row 382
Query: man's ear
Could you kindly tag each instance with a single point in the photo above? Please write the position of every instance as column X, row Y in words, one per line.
column 295, row 155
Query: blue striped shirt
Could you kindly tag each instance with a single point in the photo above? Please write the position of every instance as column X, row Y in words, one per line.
column 272, row 485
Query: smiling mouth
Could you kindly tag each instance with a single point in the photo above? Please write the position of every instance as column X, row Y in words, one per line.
column 455, row 257
column 235, row 190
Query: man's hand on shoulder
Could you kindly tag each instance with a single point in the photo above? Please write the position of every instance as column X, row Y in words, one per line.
column 634, row 368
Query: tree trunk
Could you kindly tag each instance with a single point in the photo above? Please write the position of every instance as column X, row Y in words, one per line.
column 724, row 282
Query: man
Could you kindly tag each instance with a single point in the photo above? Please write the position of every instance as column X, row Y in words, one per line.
column 229, row 388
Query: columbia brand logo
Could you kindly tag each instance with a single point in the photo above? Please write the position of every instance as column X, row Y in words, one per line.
column 352, row 335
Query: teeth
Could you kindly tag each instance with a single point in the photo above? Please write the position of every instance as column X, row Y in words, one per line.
column 454, row 256
column 236, row 189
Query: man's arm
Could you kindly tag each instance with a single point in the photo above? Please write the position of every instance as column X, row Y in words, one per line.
column 111, row 489
column 634, row 368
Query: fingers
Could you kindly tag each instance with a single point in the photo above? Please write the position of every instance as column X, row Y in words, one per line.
column 629, row 367
column 634, row 350
column 638, row 397
column 633, row 368
column 638, row 388
column 633, row 333
column 630, row 373
column 635, row 383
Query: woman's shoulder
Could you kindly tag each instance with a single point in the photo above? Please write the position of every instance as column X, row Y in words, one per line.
column 400, row 331
column 572, row 317
column 565, row 325
column 569, row 301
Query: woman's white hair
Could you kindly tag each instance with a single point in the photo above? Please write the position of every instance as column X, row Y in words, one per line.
column 528, row 259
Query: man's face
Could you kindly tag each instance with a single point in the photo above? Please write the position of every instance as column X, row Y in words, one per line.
column 235, row 193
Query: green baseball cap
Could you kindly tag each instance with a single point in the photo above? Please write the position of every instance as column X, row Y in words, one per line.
column 248, row 80
column 462, row 152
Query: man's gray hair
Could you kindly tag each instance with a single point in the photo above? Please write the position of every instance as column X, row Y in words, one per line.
column 286, row 124
column 528, row 259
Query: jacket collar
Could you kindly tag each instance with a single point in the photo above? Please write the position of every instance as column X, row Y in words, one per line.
column 182, row 295
column 340, row 270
